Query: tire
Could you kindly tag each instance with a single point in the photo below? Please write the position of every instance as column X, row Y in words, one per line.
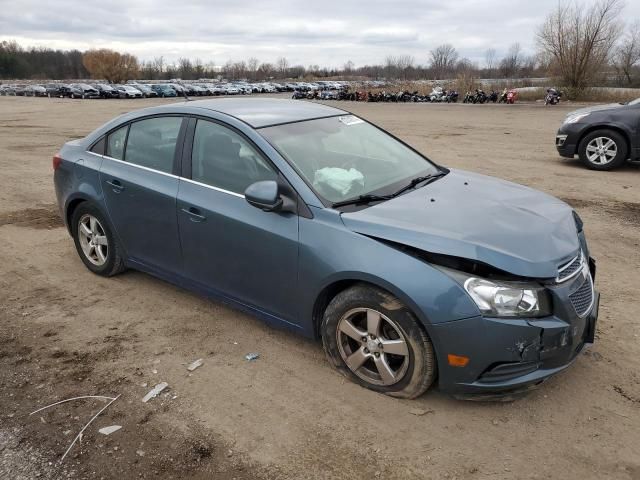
column 413, row 368
column 612, row 155
column 112, row 261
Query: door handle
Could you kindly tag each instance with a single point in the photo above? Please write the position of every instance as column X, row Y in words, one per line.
column 195, row 214
column 115, row 185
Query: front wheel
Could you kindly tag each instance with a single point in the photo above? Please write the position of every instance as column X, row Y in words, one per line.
column 374, row 340
column 603, row 150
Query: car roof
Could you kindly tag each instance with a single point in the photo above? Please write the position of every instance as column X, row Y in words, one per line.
column 262, row 112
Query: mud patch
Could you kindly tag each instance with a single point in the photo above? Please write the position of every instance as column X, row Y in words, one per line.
column 40, row 218
column 624, row 212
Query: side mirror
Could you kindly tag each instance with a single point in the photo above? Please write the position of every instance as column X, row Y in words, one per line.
column 264, row 195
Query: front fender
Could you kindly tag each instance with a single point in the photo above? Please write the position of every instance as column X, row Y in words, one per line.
column 330, row 253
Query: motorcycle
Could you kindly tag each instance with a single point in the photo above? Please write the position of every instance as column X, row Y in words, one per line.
column 451, row 96
column 512, row 96
column 503, row 96
column 552, row 97
column 436, row 94
column 298, row 94
column 493, row 96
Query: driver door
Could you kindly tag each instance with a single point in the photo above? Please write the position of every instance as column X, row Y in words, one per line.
column 229, row 246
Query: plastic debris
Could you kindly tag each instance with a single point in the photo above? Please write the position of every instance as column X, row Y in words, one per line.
column 252, row 356
column 155, row 391
column 110, row 430
column 420, row 411
column 197, row 363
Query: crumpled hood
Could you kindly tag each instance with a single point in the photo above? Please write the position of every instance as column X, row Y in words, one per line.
column 509, row 226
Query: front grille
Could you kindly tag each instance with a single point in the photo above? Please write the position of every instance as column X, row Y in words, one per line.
column 582, row 299
column 571, row 268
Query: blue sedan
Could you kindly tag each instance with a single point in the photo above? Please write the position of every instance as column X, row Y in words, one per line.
column 320, row 222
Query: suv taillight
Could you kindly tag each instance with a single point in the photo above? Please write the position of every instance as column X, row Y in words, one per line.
column 57, row 161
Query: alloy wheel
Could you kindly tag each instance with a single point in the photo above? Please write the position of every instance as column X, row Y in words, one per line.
column 373, row 346
column 601, row 150
column 93, row 239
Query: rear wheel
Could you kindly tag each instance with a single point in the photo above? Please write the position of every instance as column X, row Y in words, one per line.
column 603, row 150
column 373, row 339
column 95, row 242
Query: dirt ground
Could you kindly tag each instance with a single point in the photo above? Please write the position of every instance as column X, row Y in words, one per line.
column 65, row 332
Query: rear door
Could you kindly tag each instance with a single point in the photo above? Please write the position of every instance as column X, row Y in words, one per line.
column 231, row 247
column 140, row 185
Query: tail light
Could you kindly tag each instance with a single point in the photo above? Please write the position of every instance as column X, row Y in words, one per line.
column 57, row 161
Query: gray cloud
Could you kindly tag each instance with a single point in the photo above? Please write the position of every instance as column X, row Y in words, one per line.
column 327, row 33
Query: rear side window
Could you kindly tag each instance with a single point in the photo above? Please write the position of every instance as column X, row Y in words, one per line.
column 98, row 147
column 152, row 143
column 115, row 143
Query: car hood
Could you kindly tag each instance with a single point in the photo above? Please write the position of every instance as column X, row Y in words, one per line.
column 511, row 227
column 596, row 108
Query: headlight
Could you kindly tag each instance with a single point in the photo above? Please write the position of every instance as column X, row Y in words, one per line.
column 575, row 118
column 508, row 299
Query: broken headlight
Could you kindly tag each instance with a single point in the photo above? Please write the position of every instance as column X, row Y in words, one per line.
column 508, row 299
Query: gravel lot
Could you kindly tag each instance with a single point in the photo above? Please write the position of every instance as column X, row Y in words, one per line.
column 65, row 332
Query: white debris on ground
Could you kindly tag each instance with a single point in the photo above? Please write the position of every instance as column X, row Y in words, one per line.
column 252, row 356
column 155, row 391
column 110, row 430
column 195, row 364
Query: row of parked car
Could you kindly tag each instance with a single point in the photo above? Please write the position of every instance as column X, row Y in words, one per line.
column 140, row 90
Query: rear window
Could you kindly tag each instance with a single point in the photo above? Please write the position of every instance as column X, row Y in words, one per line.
column 152, row 143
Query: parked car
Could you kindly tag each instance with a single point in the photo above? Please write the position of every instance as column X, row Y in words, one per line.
column 71, row 91
column 602, row 136
column 127, row 91
column 34, row 91
column 106, row 90
column 54, row 89
column 146, row 90
column 83, row 90
column 163, row 90
column 320, row 222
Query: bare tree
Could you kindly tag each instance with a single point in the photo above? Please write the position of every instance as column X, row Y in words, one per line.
column 283, row 65
column 490, row 60
column 443, row 60
column 348, row 67
column 511, row 63
column 627, row 55
column 580, row 40
column 113, row 66
column 252, row 66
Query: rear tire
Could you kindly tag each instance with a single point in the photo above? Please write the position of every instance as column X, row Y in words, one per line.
column 603, row 150
column 370, row 337
column 96, row 245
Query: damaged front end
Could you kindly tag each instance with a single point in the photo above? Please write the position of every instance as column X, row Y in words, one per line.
column 511, row 354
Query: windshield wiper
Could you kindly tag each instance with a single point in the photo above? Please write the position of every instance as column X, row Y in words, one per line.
column 415, row 181
column 368, row 198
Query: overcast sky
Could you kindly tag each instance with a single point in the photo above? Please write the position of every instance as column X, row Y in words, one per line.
column 324, row 32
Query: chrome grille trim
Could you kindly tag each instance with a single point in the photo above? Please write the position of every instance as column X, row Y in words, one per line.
column 571, row 268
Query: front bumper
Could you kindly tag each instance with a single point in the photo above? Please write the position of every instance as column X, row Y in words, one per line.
column 508, row 356
column 568, row 138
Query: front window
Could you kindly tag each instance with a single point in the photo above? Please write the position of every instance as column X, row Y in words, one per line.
column 344, row 157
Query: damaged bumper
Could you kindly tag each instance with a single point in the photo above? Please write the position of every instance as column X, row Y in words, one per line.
column 508, row 356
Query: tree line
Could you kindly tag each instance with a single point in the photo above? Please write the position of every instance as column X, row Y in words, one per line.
column 579, row 46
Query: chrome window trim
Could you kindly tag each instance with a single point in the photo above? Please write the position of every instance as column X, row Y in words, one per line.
column 217, row 189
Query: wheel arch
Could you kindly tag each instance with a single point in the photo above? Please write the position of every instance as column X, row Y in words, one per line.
column 333, row 288
column 607, row 126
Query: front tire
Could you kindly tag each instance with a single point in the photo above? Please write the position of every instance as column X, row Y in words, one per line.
column 96, row 245
column 370, row 337
column 603, row 150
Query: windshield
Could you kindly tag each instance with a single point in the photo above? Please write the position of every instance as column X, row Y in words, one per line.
column 344, row 157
